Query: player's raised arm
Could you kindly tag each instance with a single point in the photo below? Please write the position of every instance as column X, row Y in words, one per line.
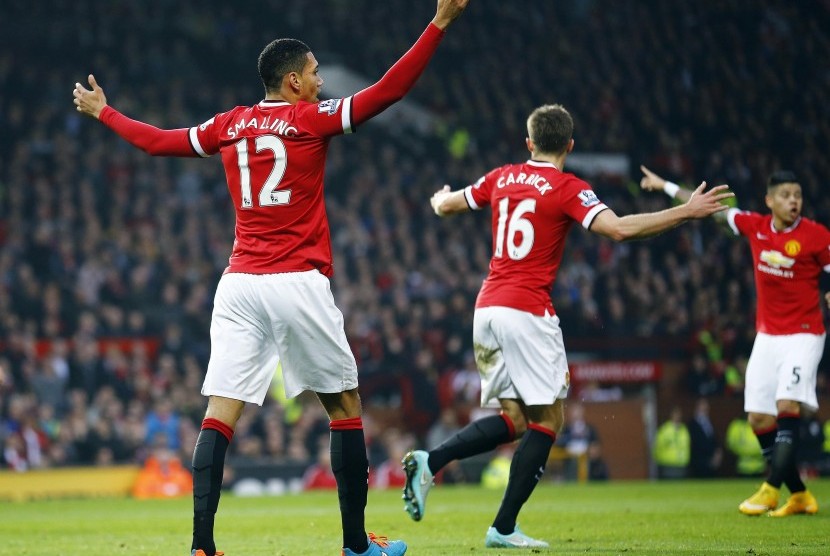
column 700, row 204
column 400, row 78
column 150, row 139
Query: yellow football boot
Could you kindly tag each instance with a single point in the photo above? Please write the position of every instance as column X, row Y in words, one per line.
column 798, row 503
column 761, row 502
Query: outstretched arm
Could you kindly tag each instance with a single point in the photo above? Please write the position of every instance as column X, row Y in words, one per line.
column 400, row 78
column 700, row 204
column 150, row 139
column 652, row 182
column 445, row 202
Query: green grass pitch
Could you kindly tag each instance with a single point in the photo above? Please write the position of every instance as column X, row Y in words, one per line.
column 694, row 518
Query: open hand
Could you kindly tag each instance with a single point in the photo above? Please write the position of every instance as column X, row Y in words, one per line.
column 706, row 203
column 89, row 102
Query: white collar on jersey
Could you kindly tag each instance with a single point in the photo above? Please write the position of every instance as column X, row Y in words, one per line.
column 269, row 103
column 788, row 229
column 542, row 163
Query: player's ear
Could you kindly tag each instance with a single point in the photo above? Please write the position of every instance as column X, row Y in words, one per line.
column 294, row 81
column 570, row 148
column 529, row 143
column 768, row 201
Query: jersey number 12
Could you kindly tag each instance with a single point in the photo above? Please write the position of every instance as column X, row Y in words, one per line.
column 269, row 195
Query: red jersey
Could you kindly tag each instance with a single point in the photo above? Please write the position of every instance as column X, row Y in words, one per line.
column 534, row 206
column 274, row 155
column 787, row 267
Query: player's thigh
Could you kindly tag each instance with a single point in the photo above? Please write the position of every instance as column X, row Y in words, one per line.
column 243, row 356
column 308, row 330
column 495, row 382
column 799, row 355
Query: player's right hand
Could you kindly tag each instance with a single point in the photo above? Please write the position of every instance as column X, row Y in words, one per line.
column 89, row 102
column 448, row 11
column 706, row 203
column 651, row 181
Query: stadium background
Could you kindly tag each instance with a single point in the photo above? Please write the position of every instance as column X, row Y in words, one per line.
column 109, row 258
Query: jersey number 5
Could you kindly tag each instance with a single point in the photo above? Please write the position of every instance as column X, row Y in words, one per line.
column 269, row 195
column 517, row 224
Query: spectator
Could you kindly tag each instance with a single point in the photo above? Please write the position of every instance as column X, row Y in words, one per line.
column 742, row 442
column 705, row 456
column 672, row 447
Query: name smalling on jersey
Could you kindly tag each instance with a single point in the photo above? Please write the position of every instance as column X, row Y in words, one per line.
column 278, row 126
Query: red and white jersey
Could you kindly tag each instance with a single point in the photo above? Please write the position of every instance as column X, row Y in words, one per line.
column 274, row 155
column 787, row 268
column 534, row 206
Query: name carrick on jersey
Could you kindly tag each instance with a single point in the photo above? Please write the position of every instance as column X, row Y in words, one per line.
column 274, row 155
column 534, row 205
column 787, row 265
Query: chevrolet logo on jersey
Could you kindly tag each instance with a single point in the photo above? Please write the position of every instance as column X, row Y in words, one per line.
column 777, row 260
column 331, row 105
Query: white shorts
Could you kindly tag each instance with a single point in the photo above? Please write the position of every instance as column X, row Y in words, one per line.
column 260, row 320
column 782, row 368
column 519, row 356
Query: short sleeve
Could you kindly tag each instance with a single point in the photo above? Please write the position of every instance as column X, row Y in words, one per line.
column 739, row 221
column 478, row 194
column 824, row 249
column 580, row 202
column 204, row 138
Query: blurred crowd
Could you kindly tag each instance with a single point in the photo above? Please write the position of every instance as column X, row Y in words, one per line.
column 109, row 257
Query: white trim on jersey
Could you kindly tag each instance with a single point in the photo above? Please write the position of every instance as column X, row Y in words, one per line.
column 589, row 218
column 468, row 195
column 346, row 115
column 194, row 142
column 827, row 268
column 730, row 219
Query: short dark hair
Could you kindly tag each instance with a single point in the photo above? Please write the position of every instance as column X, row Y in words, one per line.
column 781, row 176
column 550, row 128
column 278, row 58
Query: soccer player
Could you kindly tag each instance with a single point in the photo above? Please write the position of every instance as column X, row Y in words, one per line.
column 273, row 302
column 788, row 252
column 516, row 336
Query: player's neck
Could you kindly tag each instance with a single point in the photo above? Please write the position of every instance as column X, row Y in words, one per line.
column 556, row 160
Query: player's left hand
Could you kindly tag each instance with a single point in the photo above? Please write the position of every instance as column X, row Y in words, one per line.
column 651, row 181
column 437, row 198
column 89, row 102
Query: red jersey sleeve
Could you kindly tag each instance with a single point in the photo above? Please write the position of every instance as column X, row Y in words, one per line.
column 400, row 78
column 579, row 201
column 148, row 138
column 742, row 222
column 824, row 252
column 204, row 139
column 477, row 195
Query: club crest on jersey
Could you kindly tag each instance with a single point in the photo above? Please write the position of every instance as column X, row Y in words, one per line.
column 329, row 106
column 792, row 248
column 588, row 198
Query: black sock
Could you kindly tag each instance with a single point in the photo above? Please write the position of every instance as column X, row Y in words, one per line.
column 208, row 467
column 766, row 438
column 477, row 437
column 526, row 469
column 351, row 469
column 784, row 466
